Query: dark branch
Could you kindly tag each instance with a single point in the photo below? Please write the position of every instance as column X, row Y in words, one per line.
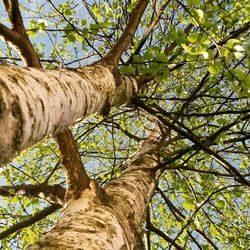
column 149, row 30
column 180, row 217
column 152, row 228
column 233, row 34
column 126, row 38
column 186, row 132
column 33, row 219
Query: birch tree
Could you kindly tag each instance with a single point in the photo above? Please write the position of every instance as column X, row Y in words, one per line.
column 124, row 124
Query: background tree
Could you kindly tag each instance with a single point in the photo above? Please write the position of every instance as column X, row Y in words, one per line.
column 181, row 142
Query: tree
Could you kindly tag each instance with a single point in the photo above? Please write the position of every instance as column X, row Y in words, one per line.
column 164, row 164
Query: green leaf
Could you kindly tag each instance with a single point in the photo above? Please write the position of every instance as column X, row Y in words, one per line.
column 198, row 15
column 189, row 205
column 32, row 33
column 193, row 2
column 161, row 57
column 159, row 78
column 221, row 121
column 96, row 11
column 213, row 230
column 220, row 204
column 172, row 34
column 193, row 37
column 83, row 22
column 186, row 48
column 215, row 68
column 67, row 12
column 155, row 67
column 182, row 18
column 126, row 70
column 71, row 37
column 231, row 43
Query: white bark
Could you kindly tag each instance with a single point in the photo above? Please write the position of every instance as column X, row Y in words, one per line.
column 37, row 103
column 108, row 219
column 86, row 223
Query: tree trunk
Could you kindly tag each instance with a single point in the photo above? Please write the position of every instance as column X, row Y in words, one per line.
column 110, row 218
column 36, row 103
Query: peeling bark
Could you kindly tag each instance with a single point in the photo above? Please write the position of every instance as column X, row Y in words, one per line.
column 109, row 218
column 86, row 223
column 36, row 103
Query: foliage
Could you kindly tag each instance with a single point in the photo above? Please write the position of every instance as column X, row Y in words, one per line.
column 198, row 54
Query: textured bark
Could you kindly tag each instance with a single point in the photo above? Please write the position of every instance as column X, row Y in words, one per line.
column 52, row 194
column 37, row 103
column 109, row 218
column 87, row 223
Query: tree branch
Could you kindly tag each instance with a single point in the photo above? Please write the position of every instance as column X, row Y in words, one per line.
column 172, row 46
column 152, row 228
column 17, row 36
column 33, row 219
column 126, row 38
column 53, row 194
column 183, row 130
column 232, row 35
column 12, row 8
column 74, row 27
column 149, row 30
column 76, row 178
column 181, row 217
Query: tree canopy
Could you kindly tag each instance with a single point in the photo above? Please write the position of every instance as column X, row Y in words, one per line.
column 192, row 61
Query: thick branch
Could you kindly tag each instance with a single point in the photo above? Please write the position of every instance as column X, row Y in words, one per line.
column 54, row 194
column 33, row 219
column 12, row 8
column 37, row 103
column 76, row 177
column 115, row 212
column 17, row 36
column 127, row 36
